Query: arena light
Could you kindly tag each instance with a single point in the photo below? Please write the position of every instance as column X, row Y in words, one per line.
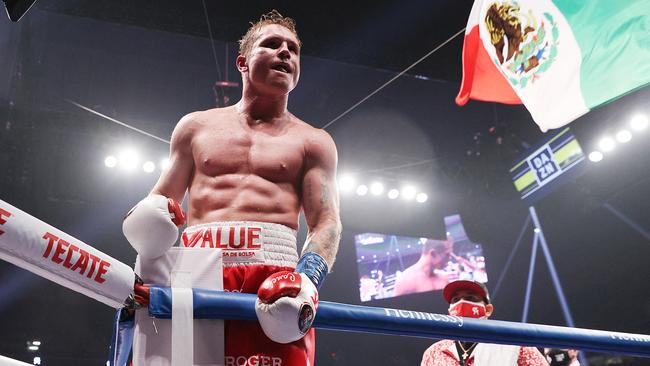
column 362, row 190
column 606, row 144
column 128, row 159
column 37, row 360
column 164, row 164
column 595, row 156
column 639, row 122
column 623, row 136
column 393, row 194
column 110, row 161
column 33, row 346
column 408, row 192
column 148, row 167
column 421, row 197
column 346, row 183
column 376, row 188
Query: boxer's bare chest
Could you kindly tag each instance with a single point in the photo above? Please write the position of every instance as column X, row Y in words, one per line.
column 233, row 146
column 422, row 281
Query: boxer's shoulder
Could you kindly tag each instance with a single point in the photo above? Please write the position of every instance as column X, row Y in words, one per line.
column 192, row 123
column 308, row 129
column 200, row 119
column 317, row 142
column 188, row 125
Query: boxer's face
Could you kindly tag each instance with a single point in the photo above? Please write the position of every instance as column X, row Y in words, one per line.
column 273, row 64
column 438, row 259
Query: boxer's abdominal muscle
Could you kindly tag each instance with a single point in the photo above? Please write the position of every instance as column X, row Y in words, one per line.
column 239, row 197
column 246, row 174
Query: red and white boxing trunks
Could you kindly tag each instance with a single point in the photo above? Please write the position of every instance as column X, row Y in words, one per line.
column 251, row 252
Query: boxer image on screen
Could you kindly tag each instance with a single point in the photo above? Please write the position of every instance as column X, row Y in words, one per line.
column 427, row 273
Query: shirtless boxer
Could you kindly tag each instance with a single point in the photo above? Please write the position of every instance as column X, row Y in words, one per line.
column 249, row 170
column 426, row 274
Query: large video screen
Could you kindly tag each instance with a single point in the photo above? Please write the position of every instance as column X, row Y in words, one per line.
column 391, row 265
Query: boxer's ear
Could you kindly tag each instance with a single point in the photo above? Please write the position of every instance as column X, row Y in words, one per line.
column 242, row 63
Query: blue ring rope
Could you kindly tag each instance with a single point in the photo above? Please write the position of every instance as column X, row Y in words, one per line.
column 210, row 304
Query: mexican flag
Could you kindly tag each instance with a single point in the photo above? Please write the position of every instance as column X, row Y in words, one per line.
column 560, row 58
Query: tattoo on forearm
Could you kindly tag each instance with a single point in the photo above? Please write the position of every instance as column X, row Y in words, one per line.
column 325, row 242
column 325, row 194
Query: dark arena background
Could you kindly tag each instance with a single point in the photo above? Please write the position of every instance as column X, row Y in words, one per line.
column 148, row 63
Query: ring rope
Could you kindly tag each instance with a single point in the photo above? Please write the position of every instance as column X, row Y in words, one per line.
column 209, row 304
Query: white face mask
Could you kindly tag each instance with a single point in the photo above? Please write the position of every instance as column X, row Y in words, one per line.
column 468, row 309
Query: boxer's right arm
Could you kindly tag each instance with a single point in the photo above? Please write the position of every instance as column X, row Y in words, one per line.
column 173, row 182
column 151, row 226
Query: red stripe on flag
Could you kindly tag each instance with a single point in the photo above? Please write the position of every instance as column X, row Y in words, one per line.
column 481, row 78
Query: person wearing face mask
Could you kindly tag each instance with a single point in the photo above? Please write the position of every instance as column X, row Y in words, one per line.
column 562, row 357
column 471, row 299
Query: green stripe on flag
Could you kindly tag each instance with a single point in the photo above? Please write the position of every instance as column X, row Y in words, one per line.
column 614, row 39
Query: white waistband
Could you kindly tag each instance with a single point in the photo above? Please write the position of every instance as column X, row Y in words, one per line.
column 245, row 242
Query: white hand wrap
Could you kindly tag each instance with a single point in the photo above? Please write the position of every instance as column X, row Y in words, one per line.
column 288, row 319
column 149, row 227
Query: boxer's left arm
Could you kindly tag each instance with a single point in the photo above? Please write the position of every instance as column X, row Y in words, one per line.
column 287, row 301
column 321, row 198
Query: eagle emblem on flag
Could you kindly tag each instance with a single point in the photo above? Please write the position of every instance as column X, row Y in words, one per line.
column 525, row 47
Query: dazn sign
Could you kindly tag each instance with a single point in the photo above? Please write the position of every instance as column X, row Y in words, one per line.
column 543, row 163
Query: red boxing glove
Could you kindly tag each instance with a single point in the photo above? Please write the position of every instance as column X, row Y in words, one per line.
column 286, row 306
column 176, row 212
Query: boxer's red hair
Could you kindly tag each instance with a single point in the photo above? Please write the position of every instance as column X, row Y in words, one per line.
column 272, row 17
